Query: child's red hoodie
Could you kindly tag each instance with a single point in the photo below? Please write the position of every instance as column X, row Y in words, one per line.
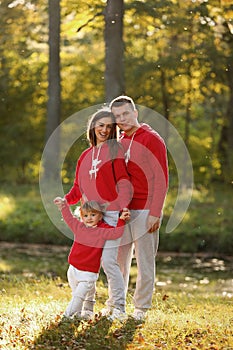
column 86, row 251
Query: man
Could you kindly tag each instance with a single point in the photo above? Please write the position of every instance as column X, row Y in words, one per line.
column 146, row 159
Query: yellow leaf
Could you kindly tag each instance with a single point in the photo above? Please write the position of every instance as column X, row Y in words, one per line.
column 141, row 338
column 17, row 331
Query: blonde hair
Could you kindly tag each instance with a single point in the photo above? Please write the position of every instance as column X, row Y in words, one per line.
column 93, row 206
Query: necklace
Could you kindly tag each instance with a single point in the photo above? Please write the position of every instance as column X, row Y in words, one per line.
column 127, row 153
column 95, row 162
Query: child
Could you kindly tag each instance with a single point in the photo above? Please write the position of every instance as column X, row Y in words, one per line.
column 90, row 235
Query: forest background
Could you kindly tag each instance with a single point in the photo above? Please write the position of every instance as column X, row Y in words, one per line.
column 177, row 60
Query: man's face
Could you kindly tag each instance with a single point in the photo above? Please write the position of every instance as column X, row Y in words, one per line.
column 126, row 118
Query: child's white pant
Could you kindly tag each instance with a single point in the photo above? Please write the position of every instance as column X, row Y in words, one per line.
column 82, row 284
column 116, row 287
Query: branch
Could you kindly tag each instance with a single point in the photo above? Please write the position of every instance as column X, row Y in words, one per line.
column 90, row 20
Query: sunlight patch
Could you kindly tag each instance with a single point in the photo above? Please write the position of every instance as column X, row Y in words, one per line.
column 7, row 206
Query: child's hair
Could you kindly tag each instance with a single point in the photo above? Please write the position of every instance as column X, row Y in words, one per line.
column 92, row 206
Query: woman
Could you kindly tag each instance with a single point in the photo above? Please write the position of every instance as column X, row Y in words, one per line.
column 101, row 175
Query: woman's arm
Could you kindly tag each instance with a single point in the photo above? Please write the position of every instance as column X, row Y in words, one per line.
column 74, row 195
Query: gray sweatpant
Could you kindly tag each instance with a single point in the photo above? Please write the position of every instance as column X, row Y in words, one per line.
column 116, row 289
column 136, row 238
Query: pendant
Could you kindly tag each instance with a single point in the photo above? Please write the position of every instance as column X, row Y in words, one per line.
column 94, row 168
column 127, row 156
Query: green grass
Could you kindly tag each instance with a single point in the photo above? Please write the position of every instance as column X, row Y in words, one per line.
column 192, row 304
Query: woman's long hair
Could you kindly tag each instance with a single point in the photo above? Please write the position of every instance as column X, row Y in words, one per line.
column 113, row 136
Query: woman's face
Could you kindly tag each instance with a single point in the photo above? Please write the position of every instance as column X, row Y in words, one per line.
column 103, row 129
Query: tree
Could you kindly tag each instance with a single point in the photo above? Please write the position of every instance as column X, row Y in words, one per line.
column 176, row 59
column 22, row 91
column 54, row 91
column 224, row 43
column 114, row 50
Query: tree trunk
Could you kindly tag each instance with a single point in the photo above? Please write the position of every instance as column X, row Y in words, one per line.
column 230, row 111
column 54, row 91
column 188, row 116
column 226, row 140
column 165, row 99
column 114, row 49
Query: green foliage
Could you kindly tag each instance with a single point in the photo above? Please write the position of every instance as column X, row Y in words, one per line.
column 23, row 217
column 71, row 159
column 22, row 92
column 175, row 60
column 206, row 227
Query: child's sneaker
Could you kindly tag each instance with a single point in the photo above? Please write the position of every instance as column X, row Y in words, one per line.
column 87, row 314
column 139, row 315
column 117, row 315
column 106, row 311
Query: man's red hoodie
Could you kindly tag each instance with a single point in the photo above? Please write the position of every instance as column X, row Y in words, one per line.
column 147, row 168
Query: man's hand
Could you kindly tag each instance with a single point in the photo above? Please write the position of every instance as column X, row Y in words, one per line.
column 153, row 223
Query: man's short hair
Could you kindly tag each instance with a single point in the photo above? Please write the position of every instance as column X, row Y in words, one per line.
column 122, row 100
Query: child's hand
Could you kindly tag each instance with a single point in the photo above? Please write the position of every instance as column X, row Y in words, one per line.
column 125, row 214
column 60, row 202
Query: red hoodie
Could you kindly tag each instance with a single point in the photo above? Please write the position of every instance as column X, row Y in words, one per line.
column 147, row 168
column 86, row 251
column 103, row 188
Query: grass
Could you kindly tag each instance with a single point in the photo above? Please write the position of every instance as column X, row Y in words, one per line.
column 192, row 304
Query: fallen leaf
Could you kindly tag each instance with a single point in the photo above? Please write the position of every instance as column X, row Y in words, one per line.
column 141, row 338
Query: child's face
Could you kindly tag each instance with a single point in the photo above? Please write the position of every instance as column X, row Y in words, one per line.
column 91, row 218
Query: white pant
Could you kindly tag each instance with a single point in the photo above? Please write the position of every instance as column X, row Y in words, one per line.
column 116, row 287
column 82, row 284
column 145, row 245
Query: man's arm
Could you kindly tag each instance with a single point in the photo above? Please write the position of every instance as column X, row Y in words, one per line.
column 160, row 183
